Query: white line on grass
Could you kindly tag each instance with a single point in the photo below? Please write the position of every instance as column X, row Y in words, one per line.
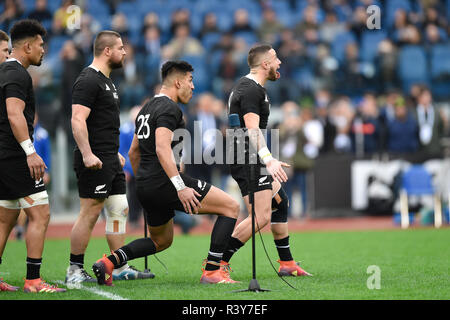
column 96, row 291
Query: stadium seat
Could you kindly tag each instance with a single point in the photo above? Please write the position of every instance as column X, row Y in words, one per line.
column 440, row 61
column 55, row 44
column 249, row 37
column 417, row 181
column 412, row 66
column 202, row 80
column 95, row 8
column 339, row 44
column 210, row 39
column 391, row 6
column 370, row 40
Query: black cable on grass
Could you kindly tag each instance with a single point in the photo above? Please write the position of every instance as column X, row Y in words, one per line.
column 268, row 258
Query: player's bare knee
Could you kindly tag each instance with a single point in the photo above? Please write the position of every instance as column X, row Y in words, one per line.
column 162, row 243
column 233, row 209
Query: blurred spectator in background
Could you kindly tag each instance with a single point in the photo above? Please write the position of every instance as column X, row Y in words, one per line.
column 270, row 27
column 85, row 36
column 293, row 56
column 400, row 25
column 209, row 25
column 289, row 133
column 72, row 64
column 366, row 127
column 322, row 100
column 151, row 46
column 401, row 128
column 241, row 22
column 301, row 136
column 309, row 22
column 151, row 20
column 182, row 44
column 12, row 10
column 431, row 125
column 201, row 124
column 341, row 116
column 358, row 22
column 434, row 35
column 387, row 114
column 227, row 72
column 41, row 12
column 180, row 17
column 331, row 27
column 325, row 67
column 129, row 79
column 119, row 23
column 351, row 78
column 386, row 65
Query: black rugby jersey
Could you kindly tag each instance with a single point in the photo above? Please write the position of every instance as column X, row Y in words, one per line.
column 160, row 111
column 15, row 82
column 97, row 92
column 249, row 96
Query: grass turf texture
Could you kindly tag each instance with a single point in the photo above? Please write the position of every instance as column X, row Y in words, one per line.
column 414, row 264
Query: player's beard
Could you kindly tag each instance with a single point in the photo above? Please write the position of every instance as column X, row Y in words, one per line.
column 273, row 74
column 115, row 65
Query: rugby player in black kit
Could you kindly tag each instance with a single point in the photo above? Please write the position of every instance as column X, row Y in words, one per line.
column 21, row 168
column 162, row 188
column 249, row 100
column 97, row 163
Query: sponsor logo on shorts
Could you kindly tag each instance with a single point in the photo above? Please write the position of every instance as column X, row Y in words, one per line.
column 39, row 183
column 201, row 185
column 98, row 189
column 262, row 181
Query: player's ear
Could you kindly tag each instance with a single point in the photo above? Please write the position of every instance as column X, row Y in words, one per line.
column 177, row 82
column 27, row 46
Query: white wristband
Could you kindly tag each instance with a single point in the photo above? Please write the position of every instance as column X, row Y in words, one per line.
column 28, row 147
column 178, row 182
column 265, row 155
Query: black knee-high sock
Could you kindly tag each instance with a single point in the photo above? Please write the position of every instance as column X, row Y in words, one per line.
column 33, row 268
column 233, row 246
column 135, row 249
column 283, row 248
column 223, row 228
column 77, row 259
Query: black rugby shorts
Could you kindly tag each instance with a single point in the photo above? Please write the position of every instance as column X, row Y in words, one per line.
column 159, row 197
column 16, row 181
column 241, row 174
column 99, row 184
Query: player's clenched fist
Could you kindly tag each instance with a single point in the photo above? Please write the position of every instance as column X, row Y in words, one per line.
column 92, row 162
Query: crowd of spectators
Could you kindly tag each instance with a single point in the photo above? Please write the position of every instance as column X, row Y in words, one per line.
column 344, row 88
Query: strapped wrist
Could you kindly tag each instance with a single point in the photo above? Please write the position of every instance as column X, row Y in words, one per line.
column 265, row 155
column 178, row 182
column 28, row 147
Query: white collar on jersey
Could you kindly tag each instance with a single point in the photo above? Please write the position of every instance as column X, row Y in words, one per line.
column 161, row 95
column 91, row 66
column 251, row 77
column 13, row 59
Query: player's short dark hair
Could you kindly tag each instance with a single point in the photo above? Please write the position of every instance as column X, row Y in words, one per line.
column 175, row 66
column 28, row 28
column 254, row 53
column 105, row 38
column 3, row 36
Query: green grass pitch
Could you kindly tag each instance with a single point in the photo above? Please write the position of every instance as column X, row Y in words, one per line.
column 412, row 264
